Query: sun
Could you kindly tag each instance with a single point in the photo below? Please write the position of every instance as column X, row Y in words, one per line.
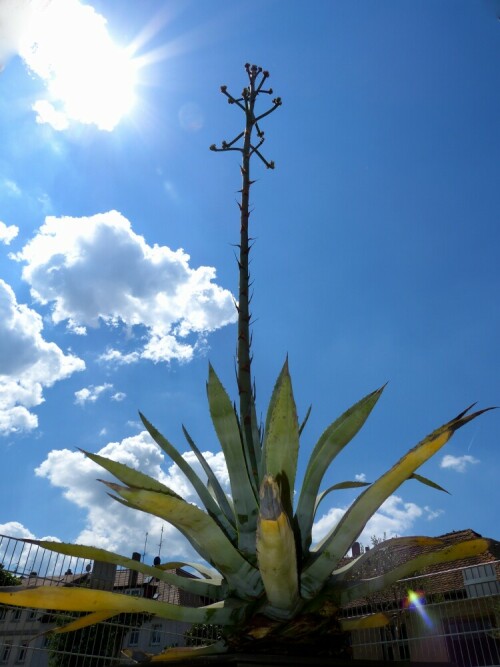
column 89, row 78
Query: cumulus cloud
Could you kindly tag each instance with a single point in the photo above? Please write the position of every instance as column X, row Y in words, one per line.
column 109, row 524
column 119, row 396
column 91, row 394
column 28, row 363
column 66, row 44
column 98, row 270
column 8, row 233
column 394, row 517
column 361, row 477
column 458, row 463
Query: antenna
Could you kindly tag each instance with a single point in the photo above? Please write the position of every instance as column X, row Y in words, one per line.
column 145, row 543
column 161, row 542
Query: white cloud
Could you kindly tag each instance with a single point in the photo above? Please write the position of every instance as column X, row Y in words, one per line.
column 116, row 357
column 67, row 44
column 24, row 559
column 91, row 394
column 119, row 396
column 11, row 188
column 97, row 269
column 8, row 233
column 432, row 514
column 361, row 477
column 458, row 463
column 47, row 113
column 394, row 517
column 28, row 363
column 108, row 523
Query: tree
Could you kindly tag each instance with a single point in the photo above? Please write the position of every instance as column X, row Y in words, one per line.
column 6, row 578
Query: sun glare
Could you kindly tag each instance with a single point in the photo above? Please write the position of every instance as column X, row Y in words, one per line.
column 89, row 78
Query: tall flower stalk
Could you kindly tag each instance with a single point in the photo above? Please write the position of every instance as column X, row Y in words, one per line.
column 244, row 144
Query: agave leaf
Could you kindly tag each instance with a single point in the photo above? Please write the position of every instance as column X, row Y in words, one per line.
column 281, row 438
column 378, row 620
column 218, row 492
column 360, row 589
column 427, row 482
column 176, row 654
column 276, row 551
column 211, row 588
column 242, row 485
column 126, row 474
column 202, row 531
column 61, row 598
column 336, row 543
column 305, row 420
column 256, row 438
column 337, row 487
column 331, row 442
column 83, row 622
column 352, row 568
column 199, row 486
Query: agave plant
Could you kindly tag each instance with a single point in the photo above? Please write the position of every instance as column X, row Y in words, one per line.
column 269, row 585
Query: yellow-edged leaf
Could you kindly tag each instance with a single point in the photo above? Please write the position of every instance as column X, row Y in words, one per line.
column 360, row 589
column 63, row 598
column 176, row 654
column 276, row 551
column 372, row 621
column 84, row 621
column 202, row 531
column 337, row 542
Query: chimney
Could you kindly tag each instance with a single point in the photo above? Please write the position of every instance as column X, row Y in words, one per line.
column 102, row 576
column 132, row 577
column 356, row 549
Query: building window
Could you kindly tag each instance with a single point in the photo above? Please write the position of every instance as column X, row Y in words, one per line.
column 155, row 634
column 5, row 652
column 32, row 615
column 21, row 654
column 134, row 637
column 3, row 613
column 16, row 614
column 395, row 644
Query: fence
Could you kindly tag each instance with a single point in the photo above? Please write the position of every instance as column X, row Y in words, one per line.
column 439, row 619
column 452, row 617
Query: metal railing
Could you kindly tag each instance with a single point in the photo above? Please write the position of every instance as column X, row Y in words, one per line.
column 438, row 618
column 433, row 621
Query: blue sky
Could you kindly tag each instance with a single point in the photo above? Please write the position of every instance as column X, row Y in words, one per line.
column 376, row 256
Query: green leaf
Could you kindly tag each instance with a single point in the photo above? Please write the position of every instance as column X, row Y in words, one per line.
column 126, row 474
column 305, row 420
column 199, row 486
column 203, row 533
column 218, row 492
column 332, row 441
column 281, row 438
column 427, row 482
column 337, row 487
column 335, row 544
column 212, row 589
column 228, row 432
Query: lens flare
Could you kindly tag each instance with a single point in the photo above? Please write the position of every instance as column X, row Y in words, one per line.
column 416, row 600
